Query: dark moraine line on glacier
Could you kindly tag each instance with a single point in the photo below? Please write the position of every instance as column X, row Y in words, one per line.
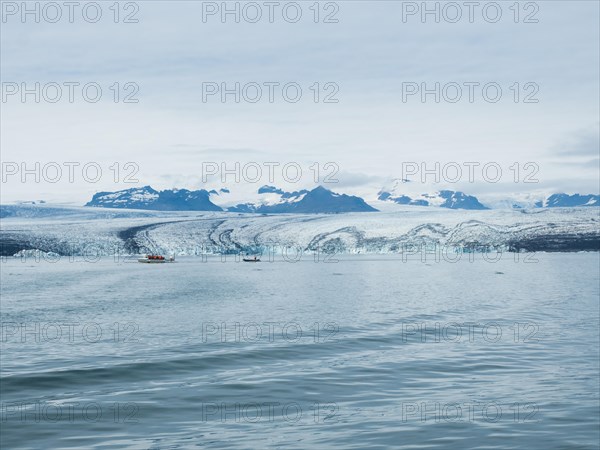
column 228, row 243
column 556, row 243
column 13, row 242
column 11, row 245
column 128, row 235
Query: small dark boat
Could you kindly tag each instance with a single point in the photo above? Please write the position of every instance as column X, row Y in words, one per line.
column 155, row 259
column 251, row 259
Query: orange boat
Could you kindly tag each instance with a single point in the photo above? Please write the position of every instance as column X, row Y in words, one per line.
column 155, row 259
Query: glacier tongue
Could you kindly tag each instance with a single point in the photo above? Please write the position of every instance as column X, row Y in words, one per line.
column 79, row 231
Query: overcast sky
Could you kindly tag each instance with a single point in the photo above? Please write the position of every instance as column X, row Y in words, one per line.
column 373, row 58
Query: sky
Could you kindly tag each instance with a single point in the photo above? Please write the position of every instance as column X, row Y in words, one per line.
column 360, row 118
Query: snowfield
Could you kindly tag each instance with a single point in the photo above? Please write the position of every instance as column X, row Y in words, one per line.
column 101, row 231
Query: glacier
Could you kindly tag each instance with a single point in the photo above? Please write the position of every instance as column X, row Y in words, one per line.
column 66, row 230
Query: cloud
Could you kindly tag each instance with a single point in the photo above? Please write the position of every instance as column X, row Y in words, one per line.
column 368, row 54
column 581, row 143
column 224, row 153
column 355, row 179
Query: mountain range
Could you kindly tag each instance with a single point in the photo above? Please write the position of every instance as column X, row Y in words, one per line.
column 443, row 199
column 148, row 198
column 565, row 200
column 317, row 200
column 274, row 200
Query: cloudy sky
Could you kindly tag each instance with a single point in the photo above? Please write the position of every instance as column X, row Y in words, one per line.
column 369, row 60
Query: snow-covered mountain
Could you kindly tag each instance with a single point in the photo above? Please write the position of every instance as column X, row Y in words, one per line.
column 443, row 199
column 528, row 200
column 318, row 200
column 566, row 200
column 403, row 193
column 148, row 198
column 269, row 200
column 274, row 200
column 265, row 199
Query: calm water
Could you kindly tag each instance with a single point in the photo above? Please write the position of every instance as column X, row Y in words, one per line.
column 368, row 352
